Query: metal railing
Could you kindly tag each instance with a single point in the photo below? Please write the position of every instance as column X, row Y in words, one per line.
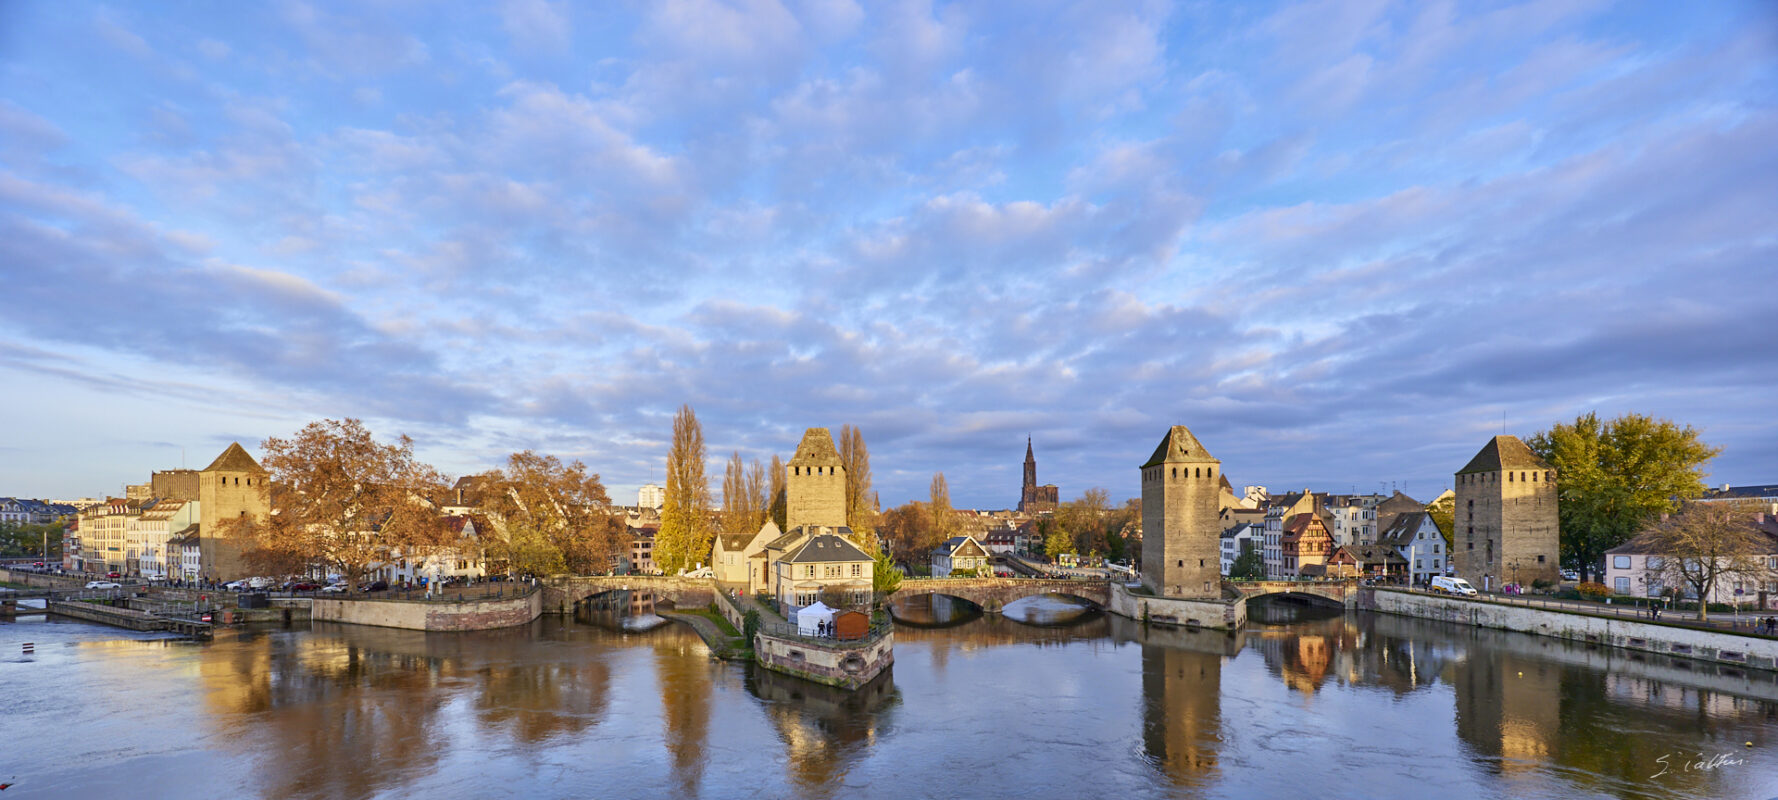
column 786, row 630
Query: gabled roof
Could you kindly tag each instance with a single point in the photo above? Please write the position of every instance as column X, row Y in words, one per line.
column 1398, row 503
column 816, row 450
column 234, row 459
column 956, row 544
column 1299, row 524
column 1367, row 554
column 1402, row 529
column 1179, row 446
column 1742, row 492
column 1503, row 452
column 826, row 547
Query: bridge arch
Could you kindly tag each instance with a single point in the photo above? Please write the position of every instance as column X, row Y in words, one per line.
column 992, row 595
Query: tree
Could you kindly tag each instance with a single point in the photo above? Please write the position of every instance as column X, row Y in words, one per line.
column 903, row 529
column 340, row 499
column 861, row 513
column 1615, row 477
column 1444, row 513
column 1084, row 520
column 1704, row 545
column 554, row 517
column 1250, row 564
column 780, row 506
column 32, row 539
column 756, row 497
column 1056, row 539
column 942, row 520
column 885, row 578
column 685, row 536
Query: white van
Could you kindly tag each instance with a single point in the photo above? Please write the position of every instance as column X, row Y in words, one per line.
column 1449, row 585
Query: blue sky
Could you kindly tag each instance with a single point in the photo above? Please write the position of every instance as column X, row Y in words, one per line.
column 1344, row 242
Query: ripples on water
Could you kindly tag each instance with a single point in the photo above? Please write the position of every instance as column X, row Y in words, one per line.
column 1047, row 700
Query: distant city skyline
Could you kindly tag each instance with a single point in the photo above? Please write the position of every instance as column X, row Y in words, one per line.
column 1343, row 242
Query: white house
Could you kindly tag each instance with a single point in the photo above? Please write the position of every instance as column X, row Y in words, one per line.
column 1415, row 537
column 959, row 553
column 1238, row 538
column 1634, row 568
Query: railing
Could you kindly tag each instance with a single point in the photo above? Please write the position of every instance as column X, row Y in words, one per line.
column 785, row 630
column 1743, row 625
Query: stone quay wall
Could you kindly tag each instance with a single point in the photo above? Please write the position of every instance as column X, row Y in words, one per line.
column 1220, row 614
column 1703, row 645
column 420, row 615
column 847, row 667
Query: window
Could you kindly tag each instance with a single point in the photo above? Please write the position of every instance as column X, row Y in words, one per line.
column 1655, row 562
column 1540, row 558
column 1620, row 562
column 1621, row 585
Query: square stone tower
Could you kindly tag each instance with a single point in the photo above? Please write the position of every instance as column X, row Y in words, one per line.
column 815, row 483
column 1505, row 520
column 233, row 486
column 1181, row 536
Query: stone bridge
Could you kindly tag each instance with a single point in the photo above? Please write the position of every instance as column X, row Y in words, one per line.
column 993, row 594
column 561, row 593
column 1341, row 592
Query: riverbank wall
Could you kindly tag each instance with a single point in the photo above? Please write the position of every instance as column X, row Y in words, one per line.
column 423, row 615
column 1647, row 636
column 1219, row 613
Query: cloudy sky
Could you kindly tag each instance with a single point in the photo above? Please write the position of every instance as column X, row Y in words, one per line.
column 1344, row 242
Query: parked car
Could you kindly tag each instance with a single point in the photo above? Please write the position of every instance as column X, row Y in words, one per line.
column 335, row 588
column 258, row 583
column 113, row 575
column 374, row 586
column 1570, row 575
column 103, row 585
column 236, row 586
column 301, row 586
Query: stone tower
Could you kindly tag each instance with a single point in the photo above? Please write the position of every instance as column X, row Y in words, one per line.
column 233, row 486
column 1181, row 544
column 1028, row 493
column 815, row 483
column 1505, row 518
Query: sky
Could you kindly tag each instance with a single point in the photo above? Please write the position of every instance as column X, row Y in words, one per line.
column 1344, row 242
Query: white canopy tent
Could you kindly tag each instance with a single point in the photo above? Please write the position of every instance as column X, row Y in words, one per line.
column 807, row 618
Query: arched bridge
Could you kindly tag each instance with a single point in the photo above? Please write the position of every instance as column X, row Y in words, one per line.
column 563, row 592
column 1342, row 592
column 993, row 594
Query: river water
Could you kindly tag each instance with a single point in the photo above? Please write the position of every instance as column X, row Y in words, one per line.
column 1047, row 701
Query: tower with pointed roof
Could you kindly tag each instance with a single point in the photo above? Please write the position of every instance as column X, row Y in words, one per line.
column 232, row 487
column 1181, row 544
column 1506, row 517
column 1034, row 498
column 815, row 483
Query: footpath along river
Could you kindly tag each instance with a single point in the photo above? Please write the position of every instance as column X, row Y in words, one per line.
column 1049, row 701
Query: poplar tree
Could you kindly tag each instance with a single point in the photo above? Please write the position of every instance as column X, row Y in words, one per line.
column 685, row 534
column 861, row 515
column 780, row 507
column 940, row 508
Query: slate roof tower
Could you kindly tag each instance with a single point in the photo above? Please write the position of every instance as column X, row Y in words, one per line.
column 1181, row 536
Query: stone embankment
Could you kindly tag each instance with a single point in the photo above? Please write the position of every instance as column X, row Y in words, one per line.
column 1645, row 635
column 430, row 615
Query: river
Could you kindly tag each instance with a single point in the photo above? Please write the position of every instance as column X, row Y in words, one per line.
column 1047, row 701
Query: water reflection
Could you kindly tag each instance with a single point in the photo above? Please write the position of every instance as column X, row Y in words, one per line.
column 1182, row 700
column 824, row 730
column 933, row 611
column 622, row 609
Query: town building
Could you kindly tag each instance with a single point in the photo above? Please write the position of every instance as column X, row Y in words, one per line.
column 815, row 483
column 651, row 496
column 1181, row 540
column 147, row 536
column 1244, row 536
column 184, row 549
column 1416, row 538
column 1306, row 542
column 104, row 534
column 1367, row 561
column 1034, row 498
column 825, row 561
column 1636, row 568
column 1282, row 508
column 1506, row 517
column 959, row 554
column 737, row 558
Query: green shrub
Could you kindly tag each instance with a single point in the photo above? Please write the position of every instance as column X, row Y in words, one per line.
column 1542, row 584
column 750, row 625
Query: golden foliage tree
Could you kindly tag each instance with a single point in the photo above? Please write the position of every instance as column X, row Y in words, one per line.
column 685, row 535
column 341, row 499
column 554, row 517
column 780, row 504
column 744, row 507
column 942, row 520
column 861, row 512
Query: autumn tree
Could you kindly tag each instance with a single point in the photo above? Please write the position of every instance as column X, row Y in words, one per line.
column 341, row 499
column 943, row 522
column 744, row 506
column 1056, row 539
column 685, row 534
column 1616, row 476
column 757, row 501
column 1444, row 513
column 1083, row 520
column 554, row 517
column 779, row 503
column 903, row 529
column 861, row 513
column 1706, row 545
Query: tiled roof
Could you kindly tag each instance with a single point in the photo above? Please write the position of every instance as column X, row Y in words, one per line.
column 826, row 547
column 1503, row 452
column 234, row 459
column 816, row 449
column 1180, row 446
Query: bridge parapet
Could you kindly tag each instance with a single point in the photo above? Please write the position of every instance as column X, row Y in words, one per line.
column 561, row 593
column 994, row 594
column 1344, row 592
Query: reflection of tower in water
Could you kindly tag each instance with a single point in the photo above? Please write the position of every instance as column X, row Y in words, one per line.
column 1182, row 704
column 1508, row 707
